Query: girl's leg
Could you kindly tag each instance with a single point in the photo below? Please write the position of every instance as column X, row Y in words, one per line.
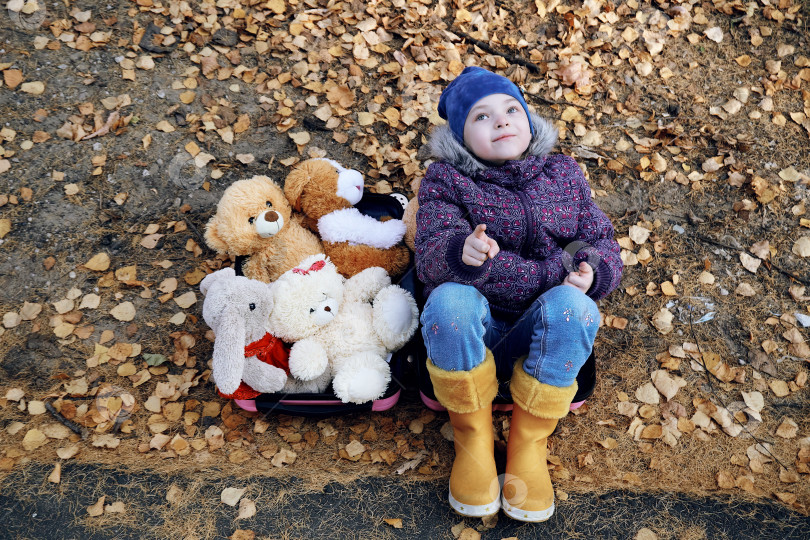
column 563, row 324
column 462, row 371
column 455, row 322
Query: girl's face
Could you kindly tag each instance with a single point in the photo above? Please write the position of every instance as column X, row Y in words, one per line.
column 497, row 129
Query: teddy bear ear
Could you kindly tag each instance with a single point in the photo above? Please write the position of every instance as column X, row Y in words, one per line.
column 212, row 237
column 295, row 183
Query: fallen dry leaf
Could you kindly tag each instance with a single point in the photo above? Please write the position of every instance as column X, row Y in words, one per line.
column 99, row 262
column 787, row 429
column 662, row 321
column 68, row 451
column 231, row 496
column 97, row 509
column 247, row 509
column 125, row 311
column 35, row 87
column 117, row 507
column 186, row 300
column 801, row 247
column 15, row 394
column 33, row 439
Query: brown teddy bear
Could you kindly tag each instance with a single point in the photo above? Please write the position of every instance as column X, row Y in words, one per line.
column 409, row 216
column 325, row 192
column 254, row 219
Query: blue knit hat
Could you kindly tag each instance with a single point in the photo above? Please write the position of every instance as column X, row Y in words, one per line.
column 465, row 90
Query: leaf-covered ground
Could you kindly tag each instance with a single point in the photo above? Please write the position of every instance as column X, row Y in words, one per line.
column 122, row 124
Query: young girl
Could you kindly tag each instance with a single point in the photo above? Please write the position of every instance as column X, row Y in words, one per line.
column 513, row 253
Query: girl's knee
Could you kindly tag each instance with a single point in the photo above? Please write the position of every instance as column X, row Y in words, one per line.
column 454, row 301
column 565, row 305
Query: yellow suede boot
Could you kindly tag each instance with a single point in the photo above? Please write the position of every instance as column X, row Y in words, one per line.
column 527, row 491
column 468, row 395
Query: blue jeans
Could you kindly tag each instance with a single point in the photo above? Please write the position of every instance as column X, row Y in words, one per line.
column 556, row 332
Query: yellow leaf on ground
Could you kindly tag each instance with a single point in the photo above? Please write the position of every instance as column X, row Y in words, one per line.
column 247, row 509
column 778, row 387
column 164, row 126
column 98, row 508
column 300, row 137
column 115, row 508
column 231, row 496
column 68, row 451
column 365, row 118
column 56, row 475
column 802, row 247
column 35, row 88
column 124, row 311
column 276, row 6
column 30, row 311
column 33, row 439
column 99, row 262
column 151, row 240
column 186, row 300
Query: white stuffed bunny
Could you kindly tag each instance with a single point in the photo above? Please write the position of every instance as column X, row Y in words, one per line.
column 248, row 360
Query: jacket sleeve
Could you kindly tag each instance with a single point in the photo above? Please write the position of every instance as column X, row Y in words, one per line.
column 441, row 229
column 601, row 250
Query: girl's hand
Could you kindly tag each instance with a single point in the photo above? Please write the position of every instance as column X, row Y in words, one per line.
column 582, row 280
column 478, row 246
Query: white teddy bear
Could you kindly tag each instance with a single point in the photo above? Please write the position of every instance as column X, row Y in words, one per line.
column 342, row 328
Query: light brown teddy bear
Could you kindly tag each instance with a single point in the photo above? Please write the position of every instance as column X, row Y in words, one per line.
column 254, row 220
column 326, row 192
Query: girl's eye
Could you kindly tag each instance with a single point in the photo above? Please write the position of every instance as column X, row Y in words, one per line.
column 512, row 109
column 250, row 220
column 481, row 116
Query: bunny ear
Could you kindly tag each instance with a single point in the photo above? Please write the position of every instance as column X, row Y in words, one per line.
column 214, row 277
column 229, row 352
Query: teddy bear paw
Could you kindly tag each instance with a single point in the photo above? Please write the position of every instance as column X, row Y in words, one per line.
column 308, row 360
column 362, row 384
column 395, row 316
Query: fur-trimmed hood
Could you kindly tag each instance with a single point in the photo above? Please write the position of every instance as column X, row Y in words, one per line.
column 445, row 147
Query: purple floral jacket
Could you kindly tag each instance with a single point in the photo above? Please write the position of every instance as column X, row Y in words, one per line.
column 534, row 208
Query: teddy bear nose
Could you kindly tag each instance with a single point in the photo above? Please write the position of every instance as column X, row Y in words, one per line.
column 327, row 308
column 271, row 216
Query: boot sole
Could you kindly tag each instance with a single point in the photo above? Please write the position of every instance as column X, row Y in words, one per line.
column 474, row 510
column 528, row 516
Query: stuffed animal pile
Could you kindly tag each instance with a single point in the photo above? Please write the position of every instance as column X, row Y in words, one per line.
column 315, row 306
